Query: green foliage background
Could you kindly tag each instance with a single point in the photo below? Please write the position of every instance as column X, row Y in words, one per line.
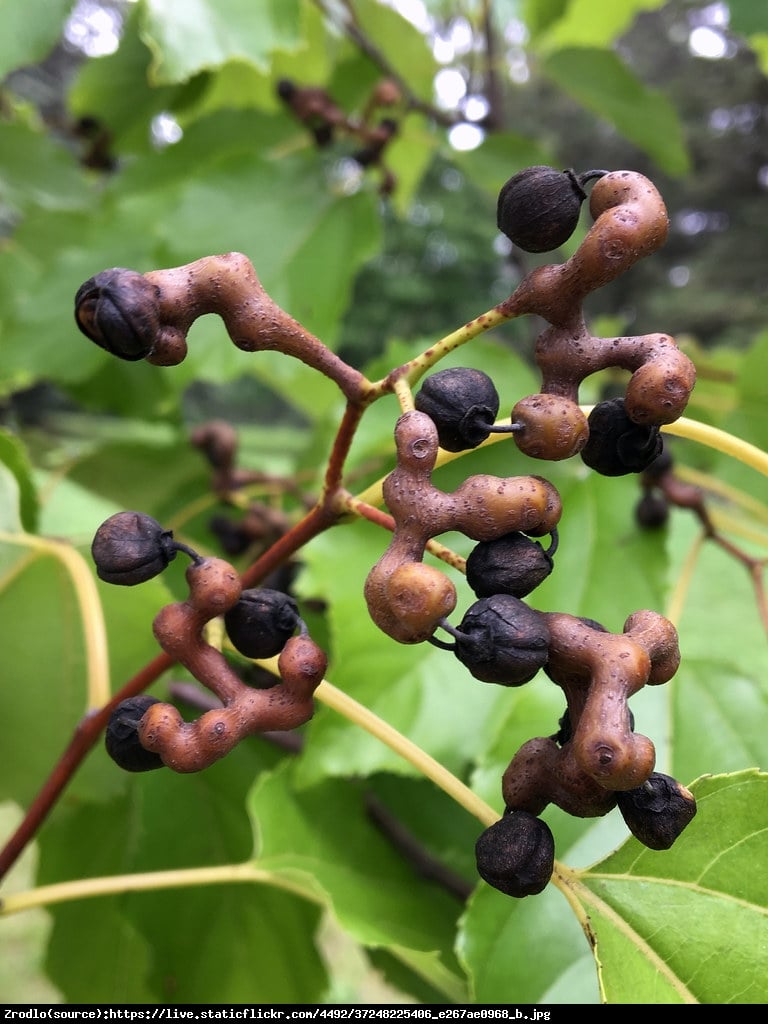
column 84, row 435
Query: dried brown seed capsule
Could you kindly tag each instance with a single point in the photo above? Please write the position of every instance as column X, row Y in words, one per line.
column 462, row 403
column 502, row 640
column 658, row 811
column 262, row 622
column 516, row 855
column 118, row 310
column 538, row 208
column 514, row 564
column 122, row 739
column 132, row 547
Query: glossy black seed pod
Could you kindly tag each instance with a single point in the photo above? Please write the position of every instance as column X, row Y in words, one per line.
column 262, row 622
column 462, row 403
column 658, row 811
column 130, row 548
column 514, row 564
column 616, row 444
column 502, row 640
column 118, row 310
column 539, row 207
column 122, row 739
column 516, row 855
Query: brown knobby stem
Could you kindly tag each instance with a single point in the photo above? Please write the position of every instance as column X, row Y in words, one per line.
column 214, row 588
column 84, row 738
column 91, row 727
column 601, row 755
column 148, row 316
column 406, row 599
column 631, row 222
column 662, row 377
column 229, row 286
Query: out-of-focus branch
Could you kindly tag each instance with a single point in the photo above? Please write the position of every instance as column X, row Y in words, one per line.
column 350, row 26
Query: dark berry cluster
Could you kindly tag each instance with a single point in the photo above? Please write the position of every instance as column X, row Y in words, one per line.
column 595, row 761
column 144, row 733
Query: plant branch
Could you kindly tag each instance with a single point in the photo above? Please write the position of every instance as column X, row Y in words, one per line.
column 82, row 888
column 350, row 25
column 83, row 740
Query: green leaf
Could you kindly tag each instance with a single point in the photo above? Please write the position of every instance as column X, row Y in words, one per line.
column 321, row 842
column 403, row 45
column 239, row 83
column 306, row 247
column 48, row 667
column 259, row 941
column 603, row 84
column 683, row 925
column 759, row 43
column 19, row 504
column 594, row 22
column 747, row 17
column 525, row 951
column 30, row 31
column 117, row 91
column 188, row 37
column 539, row 15
column 36, row 171
column 500, row 156
column 720, row 689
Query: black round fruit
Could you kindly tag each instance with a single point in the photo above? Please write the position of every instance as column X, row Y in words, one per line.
column 130, row 548
column 514, row 564
column 462, row 403
column 539, row 207
column 516, row 855
column 502, row 640
column 262, row 622
column 616, row 444
column 118, row 310
column 122, row 738
column 658, row 811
